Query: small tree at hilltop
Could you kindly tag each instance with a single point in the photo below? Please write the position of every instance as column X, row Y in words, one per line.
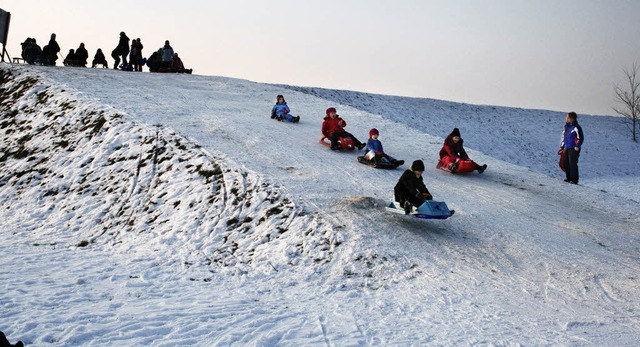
column 630, row 99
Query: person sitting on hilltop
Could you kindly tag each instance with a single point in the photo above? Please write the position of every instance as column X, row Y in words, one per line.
column 178, row 66
column 155, row 61
column 70, row 59
column 81, row 55
column 99, row 58
column 31, row 52
column 454, row 158
column 282, row 112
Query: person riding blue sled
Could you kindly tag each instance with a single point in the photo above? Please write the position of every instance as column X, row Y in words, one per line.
column 282, row 112
column 374, row 153
column 413, row 198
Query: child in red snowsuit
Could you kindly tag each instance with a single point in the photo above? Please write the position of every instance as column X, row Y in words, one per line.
column 454, row 158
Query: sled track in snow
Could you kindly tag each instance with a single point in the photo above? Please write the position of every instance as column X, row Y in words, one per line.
column 133, row 180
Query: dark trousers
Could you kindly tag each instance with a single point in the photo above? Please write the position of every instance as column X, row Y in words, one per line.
column 571, row 157
column 335, row 136
column 402, row 195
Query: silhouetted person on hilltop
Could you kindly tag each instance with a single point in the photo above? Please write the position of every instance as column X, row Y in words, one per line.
column 178, row 66
column 99, row 58
column 50, row 51
column 122, row 50
column 31, row 52
column 167, row 55
column 82, row 55
column 70, row 59
column 135, row 58
column 155, row 61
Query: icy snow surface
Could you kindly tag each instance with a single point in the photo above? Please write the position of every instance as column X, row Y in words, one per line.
column 170, row 210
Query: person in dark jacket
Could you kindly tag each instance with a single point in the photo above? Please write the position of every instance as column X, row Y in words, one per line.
column 99, row 58
column 453, row 155
column 136, row 54
column 50, row 51
column 82, row 55
column 70, row 59
column 572, row 139
column 31, row 52
column 122, row 50
column 410, row 190
column 155, row 61
column 333, row 129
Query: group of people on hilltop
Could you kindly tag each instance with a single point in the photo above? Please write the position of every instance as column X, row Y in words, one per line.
column 410, row 190
column 126, row 56
column 32, row 53
column 166, row 60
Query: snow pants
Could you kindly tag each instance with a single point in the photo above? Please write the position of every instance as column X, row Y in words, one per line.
column 464, row 166
column 337, row 135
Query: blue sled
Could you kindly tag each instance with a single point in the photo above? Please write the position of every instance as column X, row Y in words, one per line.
column 428, row 210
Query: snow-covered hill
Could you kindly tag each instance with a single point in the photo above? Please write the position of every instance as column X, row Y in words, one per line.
column 151, row 209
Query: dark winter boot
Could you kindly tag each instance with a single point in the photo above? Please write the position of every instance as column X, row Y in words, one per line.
column 454, row 167
column 482, row 168
column 407, row 207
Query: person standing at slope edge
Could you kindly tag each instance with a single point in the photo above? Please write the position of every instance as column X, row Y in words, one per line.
column 572, row 139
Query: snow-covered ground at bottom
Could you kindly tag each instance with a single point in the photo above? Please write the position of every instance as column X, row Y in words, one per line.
column 151, row 209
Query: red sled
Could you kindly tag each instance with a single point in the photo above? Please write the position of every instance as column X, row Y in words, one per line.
column 463, row 165
column 344, row 143
column 561, row 163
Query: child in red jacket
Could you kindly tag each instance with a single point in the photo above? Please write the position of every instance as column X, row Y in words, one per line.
column 454, row 158
column 333, row 129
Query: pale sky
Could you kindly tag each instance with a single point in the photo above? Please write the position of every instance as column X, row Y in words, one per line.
column 563, row 55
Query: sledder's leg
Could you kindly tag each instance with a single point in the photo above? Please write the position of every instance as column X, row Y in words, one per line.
column 334, row 140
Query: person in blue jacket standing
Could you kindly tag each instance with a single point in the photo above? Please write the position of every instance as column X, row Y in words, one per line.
column 282, row 112
column 572, row 139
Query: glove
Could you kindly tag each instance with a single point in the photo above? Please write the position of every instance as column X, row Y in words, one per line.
column 426, row 196
column 341, row 123
column 285, row 111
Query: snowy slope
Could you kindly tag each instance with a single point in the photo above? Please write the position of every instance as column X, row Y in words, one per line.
column 524, row 137
column 170, row 210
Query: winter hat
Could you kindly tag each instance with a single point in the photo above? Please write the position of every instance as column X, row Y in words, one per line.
column 373, row 131
column 417, row 165
column 455, row 132
column 331, row 109
column 279, row 96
